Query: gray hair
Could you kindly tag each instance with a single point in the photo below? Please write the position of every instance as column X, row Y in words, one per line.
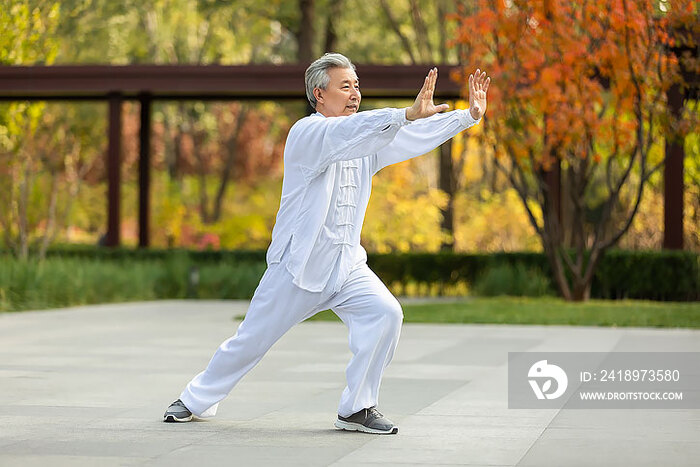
column 316, row 75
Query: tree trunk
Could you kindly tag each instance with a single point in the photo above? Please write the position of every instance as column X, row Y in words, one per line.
column 51, row 220
column 305, row 32
column 581, row 291
column 23, row 207
column 557, row 269
column 552, row 180
column 331, row 34
column 421, row 31
column 394, row 24
column 228, row 165
column 197, row 139
column 173, row 146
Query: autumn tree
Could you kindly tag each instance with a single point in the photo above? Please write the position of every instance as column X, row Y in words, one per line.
column 228, row 141
column 27, row 28
column 578, row 89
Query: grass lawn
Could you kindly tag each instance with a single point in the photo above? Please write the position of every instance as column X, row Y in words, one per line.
column 516, row 310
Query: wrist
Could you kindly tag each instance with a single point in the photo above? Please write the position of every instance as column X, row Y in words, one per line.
column 471, row 112
column 409, row 115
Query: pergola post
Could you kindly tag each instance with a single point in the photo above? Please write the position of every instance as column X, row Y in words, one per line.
column 144, row 170
column 673, row 177
column 114, row 133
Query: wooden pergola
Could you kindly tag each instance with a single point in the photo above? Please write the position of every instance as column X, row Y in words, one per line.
column 146, row 83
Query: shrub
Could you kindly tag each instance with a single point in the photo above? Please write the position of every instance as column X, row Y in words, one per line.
column 511, row 280
column 230, row 280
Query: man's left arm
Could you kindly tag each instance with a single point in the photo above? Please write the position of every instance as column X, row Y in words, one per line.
column 422, row 136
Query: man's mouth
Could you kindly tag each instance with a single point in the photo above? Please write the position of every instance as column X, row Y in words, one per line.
column 352, row 107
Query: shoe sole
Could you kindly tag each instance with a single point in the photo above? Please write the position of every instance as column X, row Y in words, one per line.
column 174, row 419
column 350, row 426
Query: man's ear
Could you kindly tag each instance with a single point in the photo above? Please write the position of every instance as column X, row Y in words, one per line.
column 318, row 95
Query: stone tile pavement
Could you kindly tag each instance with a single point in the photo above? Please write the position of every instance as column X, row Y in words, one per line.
column 87, row 386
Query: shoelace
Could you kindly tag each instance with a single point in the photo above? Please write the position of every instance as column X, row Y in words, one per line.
column 372, row 412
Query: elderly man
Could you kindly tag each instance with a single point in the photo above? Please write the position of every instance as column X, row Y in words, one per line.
column 315, row 261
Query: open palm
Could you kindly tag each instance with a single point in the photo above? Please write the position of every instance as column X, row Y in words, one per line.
column 478, row 85
column 423, row 106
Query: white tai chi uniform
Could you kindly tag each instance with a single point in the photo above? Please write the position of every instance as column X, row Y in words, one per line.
column 315, row 261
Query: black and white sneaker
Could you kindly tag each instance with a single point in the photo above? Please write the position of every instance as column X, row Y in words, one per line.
column 367, row 421
column 177, row 412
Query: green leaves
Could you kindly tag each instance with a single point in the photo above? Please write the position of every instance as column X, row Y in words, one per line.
column 27, row 32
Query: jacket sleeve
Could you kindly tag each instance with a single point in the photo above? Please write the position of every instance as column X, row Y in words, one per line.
column 423, row 136
column 316, row 142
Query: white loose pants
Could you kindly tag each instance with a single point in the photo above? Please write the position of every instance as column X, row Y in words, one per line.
column 371, row 313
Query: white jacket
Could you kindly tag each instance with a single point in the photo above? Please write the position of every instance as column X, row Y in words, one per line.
column 328, row 169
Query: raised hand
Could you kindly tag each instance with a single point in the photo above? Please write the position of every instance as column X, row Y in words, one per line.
column 423, row 106
column 478, row 85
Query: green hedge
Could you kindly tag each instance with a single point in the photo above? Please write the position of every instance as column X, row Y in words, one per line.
column 122, row 253
column 448, row 267
column 653, row 275
column 621, row 274
column 67, row 281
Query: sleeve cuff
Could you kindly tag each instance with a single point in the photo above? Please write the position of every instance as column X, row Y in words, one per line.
column 466, row 118
column 399, row 117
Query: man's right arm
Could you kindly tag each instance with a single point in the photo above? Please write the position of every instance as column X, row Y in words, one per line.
column 317, row 142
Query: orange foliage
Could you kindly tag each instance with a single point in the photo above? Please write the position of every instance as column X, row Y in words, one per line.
column 554, row 65
column 581, row 86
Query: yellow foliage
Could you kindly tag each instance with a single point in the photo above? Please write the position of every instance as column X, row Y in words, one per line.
column 423, row 289
column 169, row 214
column 404, row 211
column 497, row 222
column 246, row 221
column 647, row 229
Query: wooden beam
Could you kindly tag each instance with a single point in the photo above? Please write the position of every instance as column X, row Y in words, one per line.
column 204, row 82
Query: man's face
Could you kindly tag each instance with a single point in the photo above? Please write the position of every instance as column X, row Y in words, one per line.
column 341, row 96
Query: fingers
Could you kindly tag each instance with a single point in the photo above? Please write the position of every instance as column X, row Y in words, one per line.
column 425, row 96
column 428, row 83
column 432, row 79
column 479, row 81
column 482, row 78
